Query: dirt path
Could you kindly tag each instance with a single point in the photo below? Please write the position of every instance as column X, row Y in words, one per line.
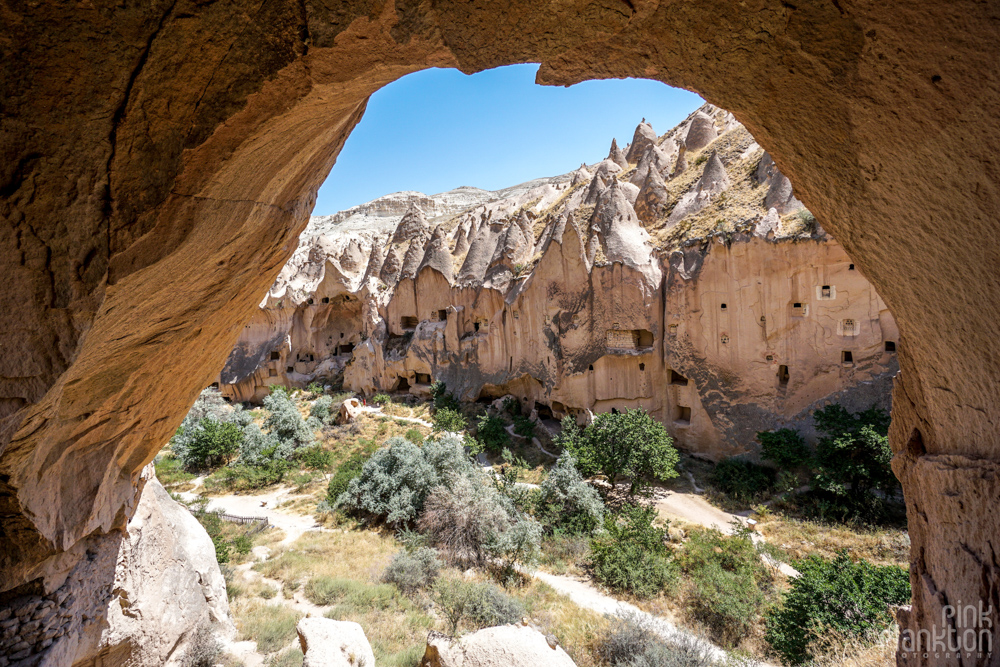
column 262, row 505
column 585, row 595
column 695, row 509
column 413, row 420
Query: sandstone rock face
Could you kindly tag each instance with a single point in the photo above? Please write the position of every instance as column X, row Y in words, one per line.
column 150, row 197
column 329, row 643
column 139, row 596
column 700, row 132
column 503, row 646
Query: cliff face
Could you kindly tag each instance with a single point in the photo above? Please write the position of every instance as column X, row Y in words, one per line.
column 716, row 312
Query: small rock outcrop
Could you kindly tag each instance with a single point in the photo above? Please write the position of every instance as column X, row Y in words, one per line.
column 329, row 643
column 503, row 646
column 779, row 189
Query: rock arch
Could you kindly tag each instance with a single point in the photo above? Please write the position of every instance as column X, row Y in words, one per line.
column 157, row 163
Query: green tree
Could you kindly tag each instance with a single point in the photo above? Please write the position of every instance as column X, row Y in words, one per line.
column 852, row 459
column 850, row 598
column 492, row 433
column 625, row 444
column 784, row 448
column 213, row 443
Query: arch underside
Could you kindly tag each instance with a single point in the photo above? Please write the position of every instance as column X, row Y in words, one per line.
column 159, row 162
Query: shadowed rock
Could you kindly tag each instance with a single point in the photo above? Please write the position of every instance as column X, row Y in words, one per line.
column 389, row 273
column 652, row 199
column 461, row 242
column 411, row 260
column 376, row 258
column 480, row 254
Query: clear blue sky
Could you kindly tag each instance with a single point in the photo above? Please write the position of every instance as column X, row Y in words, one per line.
column 438, row 129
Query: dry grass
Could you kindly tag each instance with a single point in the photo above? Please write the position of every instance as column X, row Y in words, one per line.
column 271, row 625
column 577, row 629
column 358, row 554
column 852, row 652
column 798, row 538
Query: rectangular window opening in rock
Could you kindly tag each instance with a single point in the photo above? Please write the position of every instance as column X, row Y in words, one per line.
column 890, row 346
column 847, row 358
column 275, row 356
column 423, row 378
column 442, row 315
column 408, row 322
column 783, row 374
column 677, row 378
column 682, row 415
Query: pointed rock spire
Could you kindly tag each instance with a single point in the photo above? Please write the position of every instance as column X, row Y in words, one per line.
column 652, row 159
column 351, row 258
column 681, row 165
column 622, row 236
column 617, row 155
column 461, row 243
column 653, row 198
column 481, row 250
column 643, row 138
column 701, row 132
column 376, row 258
column 436, row 255
column 389, row 273
column 581, row 175
column 411, row 261
column 714, row 180
column 411, row 226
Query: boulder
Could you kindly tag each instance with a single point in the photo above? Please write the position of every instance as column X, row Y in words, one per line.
column 503, row 646
column 329, row 643
column 349, row 411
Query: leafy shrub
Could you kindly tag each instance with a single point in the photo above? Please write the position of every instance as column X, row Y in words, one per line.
column 631, row 640
column 315, row 388
column 414, row 436
column 446, row 419
column 742, row 479
column 492, row 433
column 630, row 444
column 207, row 442
column 170, row 470
column 396, row 480
column 840, row 595
column 630, row 555
column 480, row 605
column 239, row 478
column 566, row 502
column 785, row 448
column 315, row 457
column 512, row 406
column 476, row 524
column 524, row 427
column 348, row 470
column 726, row 576
column 381, row 399
column 413, row 570
column 321, row 408
column 286, row 424
column 852, row 459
